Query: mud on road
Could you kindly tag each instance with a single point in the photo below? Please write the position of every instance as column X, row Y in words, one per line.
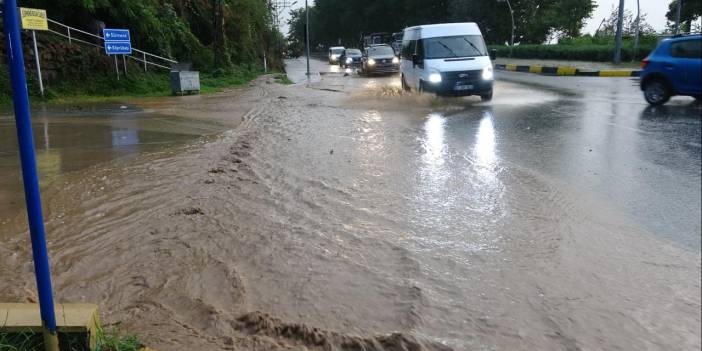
column 345, row 215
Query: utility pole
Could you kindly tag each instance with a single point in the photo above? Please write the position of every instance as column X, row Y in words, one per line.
column 618, row 43
column 307, row 36
column 511, row 12
column 638, row 28
column 218, row 33
column 677, row 17
column 277, row 8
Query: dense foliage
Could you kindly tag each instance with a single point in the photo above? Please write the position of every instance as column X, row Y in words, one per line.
column 690, row 10
column 597, row 53
column 584, row 48
column 332, row 21
column 187, row 30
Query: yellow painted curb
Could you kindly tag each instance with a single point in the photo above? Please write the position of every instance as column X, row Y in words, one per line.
column 70, row 318
column 147, row 349
column 511, row 67
column 566, row 71
column 535, row 69
column 615, row 73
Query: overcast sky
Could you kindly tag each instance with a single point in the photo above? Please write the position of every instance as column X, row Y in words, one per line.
column 654, row 9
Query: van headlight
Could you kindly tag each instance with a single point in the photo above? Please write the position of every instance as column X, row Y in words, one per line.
column 488, row 73
column 349, row 60
column 371, row 62
column 435, row 78
column 395, row 60
column 334, row 57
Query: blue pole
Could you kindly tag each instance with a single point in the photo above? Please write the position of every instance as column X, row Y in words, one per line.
column 20, row 100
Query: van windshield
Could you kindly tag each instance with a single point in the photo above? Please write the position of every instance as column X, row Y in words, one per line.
column 337, row 51
column 457, row 46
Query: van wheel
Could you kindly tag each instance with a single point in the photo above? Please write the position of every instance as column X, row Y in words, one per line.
column 486, row 97
column 656, row 92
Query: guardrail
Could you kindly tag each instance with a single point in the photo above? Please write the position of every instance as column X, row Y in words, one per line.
column 77, row 35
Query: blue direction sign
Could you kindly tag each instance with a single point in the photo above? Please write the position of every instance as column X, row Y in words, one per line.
column 116, row 34
column 117, row 41
column 118, row 48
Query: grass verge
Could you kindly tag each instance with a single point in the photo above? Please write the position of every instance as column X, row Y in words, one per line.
column 113, row 340
column 106, row 340
column 106, row 88
column 282, row 78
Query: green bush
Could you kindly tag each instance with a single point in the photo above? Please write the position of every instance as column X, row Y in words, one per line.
column 586, row 52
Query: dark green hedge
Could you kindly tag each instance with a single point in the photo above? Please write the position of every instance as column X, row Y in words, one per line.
column 599, row 53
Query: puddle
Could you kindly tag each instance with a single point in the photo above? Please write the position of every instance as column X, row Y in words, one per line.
column 70, row 141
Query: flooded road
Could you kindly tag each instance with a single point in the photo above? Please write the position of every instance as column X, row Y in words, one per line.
column 73, row 140
column 341, row 214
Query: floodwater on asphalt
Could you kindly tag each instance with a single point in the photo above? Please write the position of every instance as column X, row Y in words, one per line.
column 341, row 210
column 77, row 138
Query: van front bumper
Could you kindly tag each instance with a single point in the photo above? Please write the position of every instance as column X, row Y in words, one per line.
column 454, row 88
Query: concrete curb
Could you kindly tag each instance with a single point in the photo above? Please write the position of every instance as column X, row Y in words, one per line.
column 567, row 71
column 79, row 318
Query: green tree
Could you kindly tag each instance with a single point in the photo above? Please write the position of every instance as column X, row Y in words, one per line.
column 609, row 26
column 691, row 9
column 332, row 21
column 187, row 30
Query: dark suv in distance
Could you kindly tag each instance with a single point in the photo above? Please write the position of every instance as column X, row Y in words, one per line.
column 673, row 68
column 380, row 59
column 350, row 58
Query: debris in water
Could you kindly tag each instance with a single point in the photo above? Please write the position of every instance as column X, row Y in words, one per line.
column 191, row 211
column 261, row 324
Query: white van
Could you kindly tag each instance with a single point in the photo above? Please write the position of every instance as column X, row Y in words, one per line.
column 334, row 54
column 446, row 59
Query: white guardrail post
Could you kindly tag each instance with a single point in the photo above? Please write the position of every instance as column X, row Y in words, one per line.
column 71, row 32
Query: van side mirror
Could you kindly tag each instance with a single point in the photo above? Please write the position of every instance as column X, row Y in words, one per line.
column 493, row 54
column 416, row 60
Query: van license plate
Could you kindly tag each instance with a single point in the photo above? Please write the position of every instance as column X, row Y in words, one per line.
column 463, row 87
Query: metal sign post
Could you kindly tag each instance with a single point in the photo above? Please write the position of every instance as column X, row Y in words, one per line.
column 118, row 42
column 20, row 99
column 34, row 20
column 307, row 37
column 36, row 60
column 116, row 67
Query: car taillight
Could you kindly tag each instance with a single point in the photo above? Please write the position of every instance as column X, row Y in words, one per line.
column 644, row 63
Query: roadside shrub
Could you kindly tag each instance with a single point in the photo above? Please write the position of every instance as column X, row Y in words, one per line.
column 587, row 52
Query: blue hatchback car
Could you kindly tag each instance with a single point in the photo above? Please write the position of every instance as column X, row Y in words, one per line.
column 673, row 68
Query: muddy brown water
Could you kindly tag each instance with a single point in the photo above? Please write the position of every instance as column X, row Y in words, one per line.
column 75, row 138
column 345, row 215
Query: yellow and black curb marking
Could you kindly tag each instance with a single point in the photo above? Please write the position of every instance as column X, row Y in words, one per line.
column 567, row 71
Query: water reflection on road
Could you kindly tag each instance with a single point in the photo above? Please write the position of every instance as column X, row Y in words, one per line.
column 68, row 141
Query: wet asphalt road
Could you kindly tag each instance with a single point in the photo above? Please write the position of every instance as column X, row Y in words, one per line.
column 562, row 215
column 594, row 134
